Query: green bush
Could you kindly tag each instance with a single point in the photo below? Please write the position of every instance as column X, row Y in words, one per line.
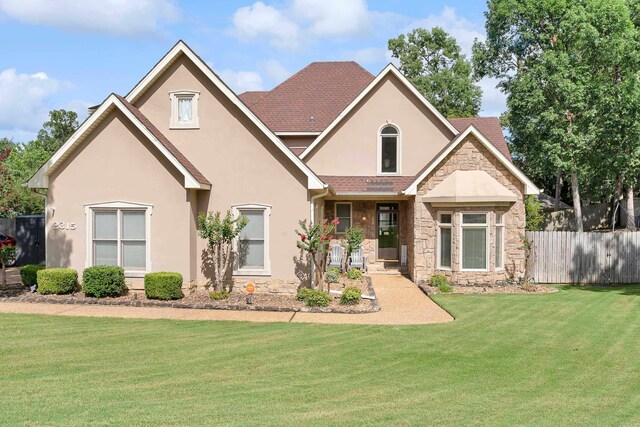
column 441, row 282
column 350, row 296
column 163, row 285
column 103, row 281
column 29, row 273
column 331, row 276
column 216, row 296
column 57, row 281
column 302, row 293
column 317, row 298
column 354, row 274
column 335, row 270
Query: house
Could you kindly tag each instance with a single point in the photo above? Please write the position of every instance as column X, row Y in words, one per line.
column 439, row 194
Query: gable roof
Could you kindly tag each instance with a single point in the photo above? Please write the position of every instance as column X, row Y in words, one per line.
column 250, row 98
column 489, row 126
column 530, row 187
column 192, row 177
column 181, row 48
column 388, row 70
column 312, row 98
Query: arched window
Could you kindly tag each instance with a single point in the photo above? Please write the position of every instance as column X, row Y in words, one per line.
column 389, row 149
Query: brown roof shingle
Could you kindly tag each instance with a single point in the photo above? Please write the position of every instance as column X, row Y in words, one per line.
column 367, row 184
column 488, row 126
column 312, row 98
column 164, row 141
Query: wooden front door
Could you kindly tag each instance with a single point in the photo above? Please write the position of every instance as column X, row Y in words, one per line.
column 388, row 233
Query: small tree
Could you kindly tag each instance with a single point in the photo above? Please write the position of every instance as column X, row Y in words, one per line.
column 315, row 239
column 533, row 213
column 353, row 238
column 220, row 233
column 7, row 255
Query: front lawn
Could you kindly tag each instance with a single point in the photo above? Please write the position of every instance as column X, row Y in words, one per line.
column 554, row 359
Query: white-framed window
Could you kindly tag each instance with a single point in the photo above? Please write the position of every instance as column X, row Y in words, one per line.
column 499, row 241
column 474, row 241
column 343, row 213
column 389, row 150
column 184, row 110
column 118, row 233
column 252, row 245
column 445, row 234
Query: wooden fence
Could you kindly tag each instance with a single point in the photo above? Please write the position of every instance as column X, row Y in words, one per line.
column 571, row 257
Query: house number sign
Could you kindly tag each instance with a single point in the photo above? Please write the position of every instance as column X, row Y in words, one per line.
column 64, row 225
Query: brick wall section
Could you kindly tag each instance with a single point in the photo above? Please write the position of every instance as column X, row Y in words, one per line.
column 469, row 155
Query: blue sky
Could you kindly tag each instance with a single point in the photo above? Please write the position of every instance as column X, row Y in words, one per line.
column 72, row 53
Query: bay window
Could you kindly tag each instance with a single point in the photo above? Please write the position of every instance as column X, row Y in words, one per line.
column 499, row 240
column 444, row 240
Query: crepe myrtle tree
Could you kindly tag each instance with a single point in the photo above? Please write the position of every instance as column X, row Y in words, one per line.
column 7, row 255
column 315, row 239
column 220, row 234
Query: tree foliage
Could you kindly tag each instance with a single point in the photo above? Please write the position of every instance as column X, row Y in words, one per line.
column 432, row 60
column 315, row 239
column 220, row 234
column 8, row 191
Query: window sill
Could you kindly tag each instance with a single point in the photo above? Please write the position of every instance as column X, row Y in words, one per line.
column 252, row 273
column 135, row 274
column 184, row 127
column 475, row 269
column 444, row 268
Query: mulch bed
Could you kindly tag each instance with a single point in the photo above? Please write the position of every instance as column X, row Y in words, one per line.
column 496, row 289
column 200, row 300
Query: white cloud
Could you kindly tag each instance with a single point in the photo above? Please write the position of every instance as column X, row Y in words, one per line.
column 118, row 17
column 275, row 71
column 24, row 101
column 241, row 81
column 494, row 102
column 262, row 21
column 462, row 29
column 301, row 21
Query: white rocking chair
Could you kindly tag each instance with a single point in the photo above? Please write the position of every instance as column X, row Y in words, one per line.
column 336, row 257
column 358, row 260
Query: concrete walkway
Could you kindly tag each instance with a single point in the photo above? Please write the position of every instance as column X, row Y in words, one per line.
column 401, row 301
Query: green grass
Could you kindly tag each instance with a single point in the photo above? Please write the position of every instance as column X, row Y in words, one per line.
column 569, row 358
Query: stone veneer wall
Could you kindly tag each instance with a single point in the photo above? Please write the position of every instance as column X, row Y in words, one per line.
column 469, row 155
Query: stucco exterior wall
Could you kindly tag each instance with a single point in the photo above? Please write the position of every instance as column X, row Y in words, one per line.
column 352, row 147
column 470, row 155
column 116, row 163
column 242, row 164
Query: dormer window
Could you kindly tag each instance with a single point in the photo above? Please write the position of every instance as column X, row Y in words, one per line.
column 389, row 151
column 184, row 110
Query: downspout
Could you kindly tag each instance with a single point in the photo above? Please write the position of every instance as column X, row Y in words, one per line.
column 312, row 217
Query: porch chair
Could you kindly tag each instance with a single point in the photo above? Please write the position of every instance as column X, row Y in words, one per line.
column 358, row 260
column 336, row 257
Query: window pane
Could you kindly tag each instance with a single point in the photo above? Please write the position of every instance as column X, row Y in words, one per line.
column 389, row 130
column 133, row 224
column 499, row 249
column 445, row 247
column 105, row 253
column 445, row 218
column 389, row 153
column 251, row 253
column 255, row 227
column 134, row 255
column 474, row 218
column 344, row 224
column 106, row 225
column 343, row 210
column 499, row 218
column 474, row 248
column 185, row 110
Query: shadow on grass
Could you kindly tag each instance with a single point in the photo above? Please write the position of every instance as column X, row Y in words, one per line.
column 633, row 290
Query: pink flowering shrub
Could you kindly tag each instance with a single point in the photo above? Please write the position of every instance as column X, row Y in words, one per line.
column 315, row 239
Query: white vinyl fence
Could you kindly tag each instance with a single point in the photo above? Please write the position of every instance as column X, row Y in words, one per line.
column 571, row 257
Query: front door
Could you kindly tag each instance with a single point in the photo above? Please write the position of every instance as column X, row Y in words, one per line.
column 387, row 219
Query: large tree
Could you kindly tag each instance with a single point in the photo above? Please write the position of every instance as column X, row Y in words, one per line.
column 57, row 130
column 432, row 60
column 543, row 53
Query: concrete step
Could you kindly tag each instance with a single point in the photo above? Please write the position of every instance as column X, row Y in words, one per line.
column 386, row 268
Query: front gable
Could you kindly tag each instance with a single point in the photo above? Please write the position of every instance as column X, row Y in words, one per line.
column 351, row 145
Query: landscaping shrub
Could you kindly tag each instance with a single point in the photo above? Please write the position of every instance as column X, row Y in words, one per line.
column 103, row 281
column 302, row 293
column 331, row 276
column 335, row 270
column 163, row 285
column 354, row 274
column 317, row 298
column 441, row 282
column 57, row 281
column 216, row 296
column 29, row 273
column 350, row 296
